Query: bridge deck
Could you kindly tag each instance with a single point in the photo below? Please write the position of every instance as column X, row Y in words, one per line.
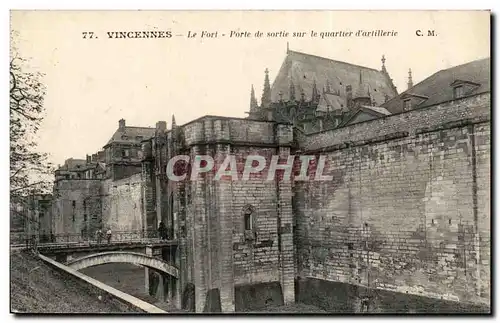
column 80, row 246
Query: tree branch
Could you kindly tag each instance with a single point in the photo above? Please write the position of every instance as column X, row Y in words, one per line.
column 17, row 172
column 26, row 186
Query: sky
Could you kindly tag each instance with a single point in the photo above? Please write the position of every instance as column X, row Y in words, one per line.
column 92, row 83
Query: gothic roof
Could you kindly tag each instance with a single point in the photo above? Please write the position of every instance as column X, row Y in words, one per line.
column 304, row 69
column 438, row 87
column 131, row 134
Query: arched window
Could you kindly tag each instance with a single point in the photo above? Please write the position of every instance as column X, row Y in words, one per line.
column 248, row 211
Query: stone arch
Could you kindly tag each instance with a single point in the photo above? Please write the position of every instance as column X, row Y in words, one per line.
column 123, row 257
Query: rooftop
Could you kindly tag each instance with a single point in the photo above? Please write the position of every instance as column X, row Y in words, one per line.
column 330, row 75
column 439, row 87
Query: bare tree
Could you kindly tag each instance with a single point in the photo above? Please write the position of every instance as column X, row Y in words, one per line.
column 29, row 168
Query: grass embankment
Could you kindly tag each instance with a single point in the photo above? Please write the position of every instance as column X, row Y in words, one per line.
column 35, row 287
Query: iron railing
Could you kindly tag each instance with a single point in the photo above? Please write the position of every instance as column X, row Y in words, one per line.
column 71, row 239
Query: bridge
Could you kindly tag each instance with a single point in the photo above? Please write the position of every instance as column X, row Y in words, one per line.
column 159, row 257
column 123, row 257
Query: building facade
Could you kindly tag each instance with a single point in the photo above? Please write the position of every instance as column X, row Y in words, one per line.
column 405, row 216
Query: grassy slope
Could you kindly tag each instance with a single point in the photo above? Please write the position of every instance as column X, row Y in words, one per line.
column 37, row 288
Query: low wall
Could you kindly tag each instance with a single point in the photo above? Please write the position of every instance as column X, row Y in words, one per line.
column 336, row 297
column 108, row 293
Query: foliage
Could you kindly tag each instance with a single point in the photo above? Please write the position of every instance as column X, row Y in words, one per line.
column 29, row 169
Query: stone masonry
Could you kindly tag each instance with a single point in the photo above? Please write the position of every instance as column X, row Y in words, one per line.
column 407, row 211
column 217, row 252
column 405, row 218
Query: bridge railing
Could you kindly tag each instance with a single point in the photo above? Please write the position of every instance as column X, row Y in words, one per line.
column 72, row 239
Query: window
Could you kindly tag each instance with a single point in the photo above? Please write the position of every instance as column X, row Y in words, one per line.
column 125, row 153
column 248, row 217
column 84, row 210
column 407, row 105
column 458, row 92
column 248, row 221
column 74, row 207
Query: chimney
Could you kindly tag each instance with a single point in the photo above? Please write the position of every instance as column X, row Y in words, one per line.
column 89, row 159
column 121, row 124
column 161, row 126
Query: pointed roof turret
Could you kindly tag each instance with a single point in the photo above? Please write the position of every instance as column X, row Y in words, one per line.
column 266, row 93
column 360, row 91
column 174, row 124
column 253, row 100
column 410, row 80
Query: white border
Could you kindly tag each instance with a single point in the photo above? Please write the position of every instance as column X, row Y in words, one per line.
column 212, row 5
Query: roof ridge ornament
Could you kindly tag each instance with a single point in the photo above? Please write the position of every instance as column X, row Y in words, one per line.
column 266, row 93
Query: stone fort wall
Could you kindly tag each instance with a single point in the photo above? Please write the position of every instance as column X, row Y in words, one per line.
column 76, row 208
column 408, row 209
column 86, row 205
column 218, row 253
column 122, row 204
